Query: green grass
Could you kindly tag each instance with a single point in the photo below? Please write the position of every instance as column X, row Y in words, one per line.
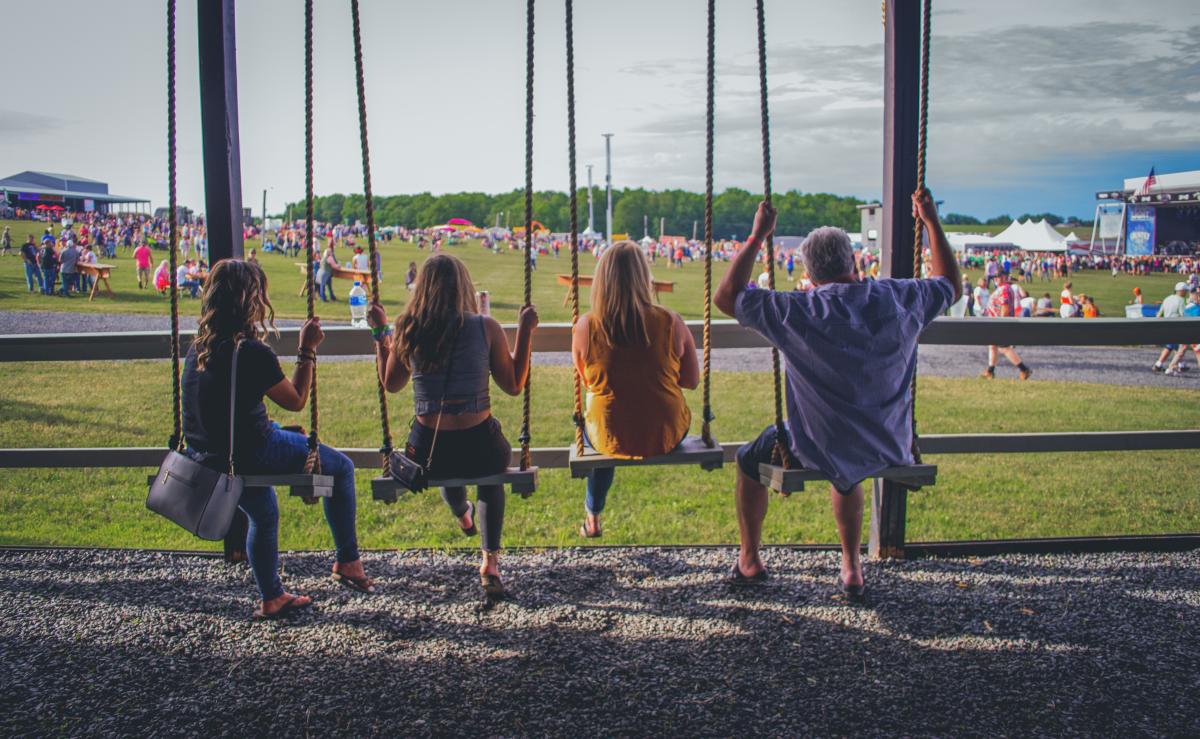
column 500, row 274
column 981, row 496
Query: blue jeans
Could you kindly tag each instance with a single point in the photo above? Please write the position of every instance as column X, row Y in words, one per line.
column 262, row 539
column 193, row 287
column 49, row 278
column 599, row 482
column 285, row 452
column 33, row 277
column 70, row 282
column 324, row 286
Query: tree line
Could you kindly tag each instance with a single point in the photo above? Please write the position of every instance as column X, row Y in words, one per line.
column 679, row 211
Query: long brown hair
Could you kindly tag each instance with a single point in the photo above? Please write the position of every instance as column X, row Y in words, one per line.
column 233, row 306
column 621, row 296
column 443, row 296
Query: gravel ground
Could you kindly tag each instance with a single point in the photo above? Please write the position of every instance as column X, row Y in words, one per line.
column 619, row 642
column 1104, row 365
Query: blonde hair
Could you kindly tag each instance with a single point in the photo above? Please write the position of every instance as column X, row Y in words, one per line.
column 621, row 296
column 233, row 306
column 443, row 295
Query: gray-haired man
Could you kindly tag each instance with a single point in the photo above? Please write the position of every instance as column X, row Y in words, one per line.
column 850, row 349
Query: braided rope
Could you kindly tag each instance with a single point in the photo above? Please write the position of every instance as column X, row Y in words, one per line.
column 780, row 454
column 172, row 202
column 312, row 464
column 529, row 28
column 372, row 251
column 918, row 229
column 570, row 26
column 706, row 428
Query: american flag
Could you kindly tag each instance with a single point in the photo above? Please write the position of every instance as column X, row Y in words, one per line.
column 1149, row 183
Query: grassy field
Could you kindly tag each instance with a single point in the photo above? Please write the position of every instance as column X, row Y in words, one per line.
column 500, row 274
column 982, row 496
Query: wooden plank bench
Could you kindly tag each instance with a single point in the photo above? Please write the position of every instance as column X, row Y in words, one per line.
column 99, row 273
column 341, row 273
column 660, row 286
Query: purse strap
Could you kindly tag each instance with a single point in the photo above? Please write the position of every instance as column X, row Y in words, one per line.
column 442, row 403
column 233, row 398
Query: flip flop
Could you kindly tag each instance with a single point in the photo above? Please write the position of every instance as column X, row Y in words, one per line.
column 737, row 577
column 474, row 530
column 287, row 610
column 856, row 594
column 583, row 531
column 357, row 584
column 492, row 587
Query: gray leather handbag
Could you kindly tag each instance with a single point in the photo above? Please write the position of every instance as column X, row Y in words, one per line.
column 198, row 498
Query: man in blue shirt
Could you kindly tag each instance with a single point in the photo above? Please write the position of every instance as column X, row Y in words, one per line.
column 850, row 350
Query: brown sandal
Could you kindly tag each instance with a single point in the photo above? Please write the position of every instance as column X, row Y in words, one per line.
column 358, row 584
column 492, row 587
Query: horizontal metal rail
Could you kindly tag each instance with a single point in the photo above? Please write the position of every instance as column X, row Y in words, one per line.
column 558, row 457
column 556, row 337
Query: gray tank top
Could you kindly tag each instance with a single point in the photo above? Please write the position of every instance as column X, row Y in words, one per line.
column 466, row 389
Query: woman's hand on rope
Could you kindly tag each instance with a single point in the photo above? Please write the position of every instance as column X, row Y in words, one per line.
column 376, row 316
column 924, row 207
column 311, row 334
column 527, row 320
column 764, row 223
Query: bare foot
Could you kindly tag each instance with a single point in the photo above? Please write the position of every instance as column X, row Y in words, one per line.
column 466, row 521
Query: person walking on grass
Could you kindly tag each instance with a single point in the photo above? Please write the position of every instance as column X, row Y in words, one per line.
column 849, row 415
column 1004, row 303
column 451, row 352
column 142, row 259
column 235, row 315
column 1190, row 310
column 33, row 273
column 1172, row 307
column 634, row 359
column 5, row 243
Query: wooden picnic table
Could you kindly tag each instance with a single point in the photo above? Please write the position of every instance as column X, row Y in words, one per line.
column 99, row 273
column 342, row 273
column 660, row 286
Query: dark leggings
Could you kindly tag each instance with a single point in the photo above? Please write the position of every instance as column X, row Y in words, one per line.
column 489, row 511
column 475, row 452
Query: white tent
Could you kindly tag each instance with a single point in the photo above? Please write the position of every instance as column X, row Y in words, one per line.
column 964, row 241
column 1032, row 236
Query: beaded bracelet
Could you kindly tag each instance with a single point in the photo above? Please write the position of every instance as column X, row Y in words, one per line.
column 381, row 333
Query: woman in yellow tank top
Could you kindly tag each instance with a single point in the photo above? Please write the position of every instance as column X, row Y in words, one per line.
column 635, row 359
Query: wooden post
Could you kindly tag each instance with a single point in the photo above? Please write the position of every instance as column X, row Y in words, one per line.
column 222, row 162
column 901, row 91
column 219, row 128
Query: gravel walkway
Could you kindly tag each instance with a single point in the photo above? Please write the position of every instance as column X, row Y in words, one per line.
column 1104, row 365
column 618, row 642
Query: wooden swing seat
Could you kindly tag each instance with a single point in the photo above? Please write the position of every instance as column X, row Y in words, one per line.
column 523, row 483
column 789, row 481
column 691, row 451
column 301, row 485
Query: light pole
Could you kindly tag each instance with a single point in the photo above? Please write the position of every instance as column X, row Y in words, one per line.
column 590, row 227
column 608, row 187
column 263, row 235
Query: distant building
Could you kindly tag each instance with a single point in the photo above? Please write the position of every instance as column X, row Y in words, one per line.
column 871, row 224
column 1163, row 218
column 30, row 189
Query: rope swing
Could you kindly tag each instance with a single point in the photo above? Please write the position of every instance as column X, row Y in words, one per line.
column 780, row 455
column 529, row 28
column 385, row 447
column 312, row 465
column 176, row 441
column 918, row 229
column 574, row 195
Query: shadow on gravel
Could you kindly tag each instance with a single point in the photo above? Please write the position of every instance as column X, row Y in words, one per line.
column 615, row 642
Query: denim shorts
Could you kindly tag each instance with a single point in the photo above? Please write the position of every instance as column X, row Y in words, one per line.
column 760, row 451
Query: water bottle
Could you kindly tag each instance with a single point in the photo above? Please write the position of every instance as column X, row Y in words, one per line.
column 358, row 306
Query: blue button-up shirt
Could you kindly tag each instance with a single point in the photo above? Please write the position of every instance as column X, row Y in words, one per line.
column 850, row 351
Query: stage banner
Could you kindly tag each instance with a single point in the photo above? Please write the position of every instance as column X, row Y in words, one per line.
column 1110, row 222
column 1139, row 231
column 89, row 205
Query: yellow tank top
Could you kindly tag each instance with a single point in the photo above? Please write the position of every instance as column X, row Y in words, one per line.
column 635, row 407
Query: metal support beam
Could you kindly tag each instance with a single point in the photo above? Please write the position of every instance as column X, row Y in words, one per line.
column 901, row 91
column 219, row 128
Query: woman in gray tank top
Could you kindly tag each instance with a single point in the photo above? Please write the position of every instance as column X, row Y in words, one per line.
column 449, row 352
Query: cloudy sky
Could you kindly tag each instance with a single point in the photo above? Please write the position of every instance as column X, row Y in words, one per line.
column 1034, row 106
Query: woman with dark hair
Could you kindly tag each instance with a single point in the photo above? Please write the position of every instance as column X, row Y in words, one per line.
column 235, row 314
column 450, row 351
